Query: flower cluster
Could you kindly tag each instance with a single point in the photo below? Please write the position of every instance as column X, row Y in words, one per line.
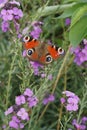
column 35, row 33
column 18, row 111
column 10, row 12
column 82, row 125
column 48, row 98
column 80, row 53
column 70, row 101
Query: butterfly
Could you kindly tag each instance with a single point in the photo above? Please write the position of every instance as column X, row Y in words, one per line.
column 41, row 52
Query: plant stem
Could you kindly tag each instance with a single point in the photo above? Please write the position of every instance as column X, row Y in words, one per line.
column 60, row 116
column 55, row 84
column 61, row 108
column 60, row 71
column 9, row 81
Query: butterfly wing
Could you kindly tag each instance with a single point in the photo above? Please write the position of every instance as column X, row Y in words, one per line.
column 30, row 46
column 53, row 52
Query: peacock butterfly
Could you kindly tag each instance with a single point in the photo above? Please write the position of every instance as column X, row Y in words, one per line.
column 41, row 52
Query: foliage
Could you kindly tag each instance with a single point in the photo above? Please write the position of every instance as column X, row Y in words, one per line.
column 17, row 73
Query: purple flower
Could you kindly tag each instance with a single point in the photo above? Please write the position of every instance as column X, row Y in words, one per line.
column 79, row 126
column 49, row 98
column 20, row 13
column 20, row 100
column 36, row 71
column 35, row 33
column 84, row 120
column 21, row 125
column 2, row 3
column 45, row 101
column 13, row 124
column 32, row 101
column 80, row 53
column 72, row 107
column 16, row 123
column 23, row 114
column 5, row 26
column 7, row 14
column 73, row 49
column 71, row 101
column 24, row 53
column 83, row 127
column 74, row 121
column 14, row 118
column 67, row 21
column 62, row 100
column 28, row 92
column 36, row 66
column 9, row 111
column 17, row 12
column 11, row 13
column 19, row 35
column 68, row 93
column 19, row 114
column 14, row 2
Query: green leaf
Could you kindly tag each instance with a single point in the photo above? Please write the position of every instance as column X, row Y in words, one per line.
column 79, row 1
column 69, row 12
column 78, row 31
column 48, row 10
column 82, row 1
column 80, row 12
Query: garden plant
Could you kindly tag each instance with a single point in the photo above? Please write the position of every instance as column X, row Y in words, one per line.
column 43, row 65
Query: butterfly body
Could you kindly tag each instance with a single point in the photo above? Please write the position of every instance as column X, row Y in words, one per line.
column 41, row 52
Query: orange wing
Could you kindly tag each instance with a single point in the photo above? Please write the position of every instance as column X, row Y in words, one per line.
column 53, row 52
column 31, row 44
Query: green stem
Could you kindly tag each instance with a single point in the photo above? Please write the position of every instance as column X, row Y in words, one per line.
column 60, row 70
column 61, row 108
column 9, row 81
